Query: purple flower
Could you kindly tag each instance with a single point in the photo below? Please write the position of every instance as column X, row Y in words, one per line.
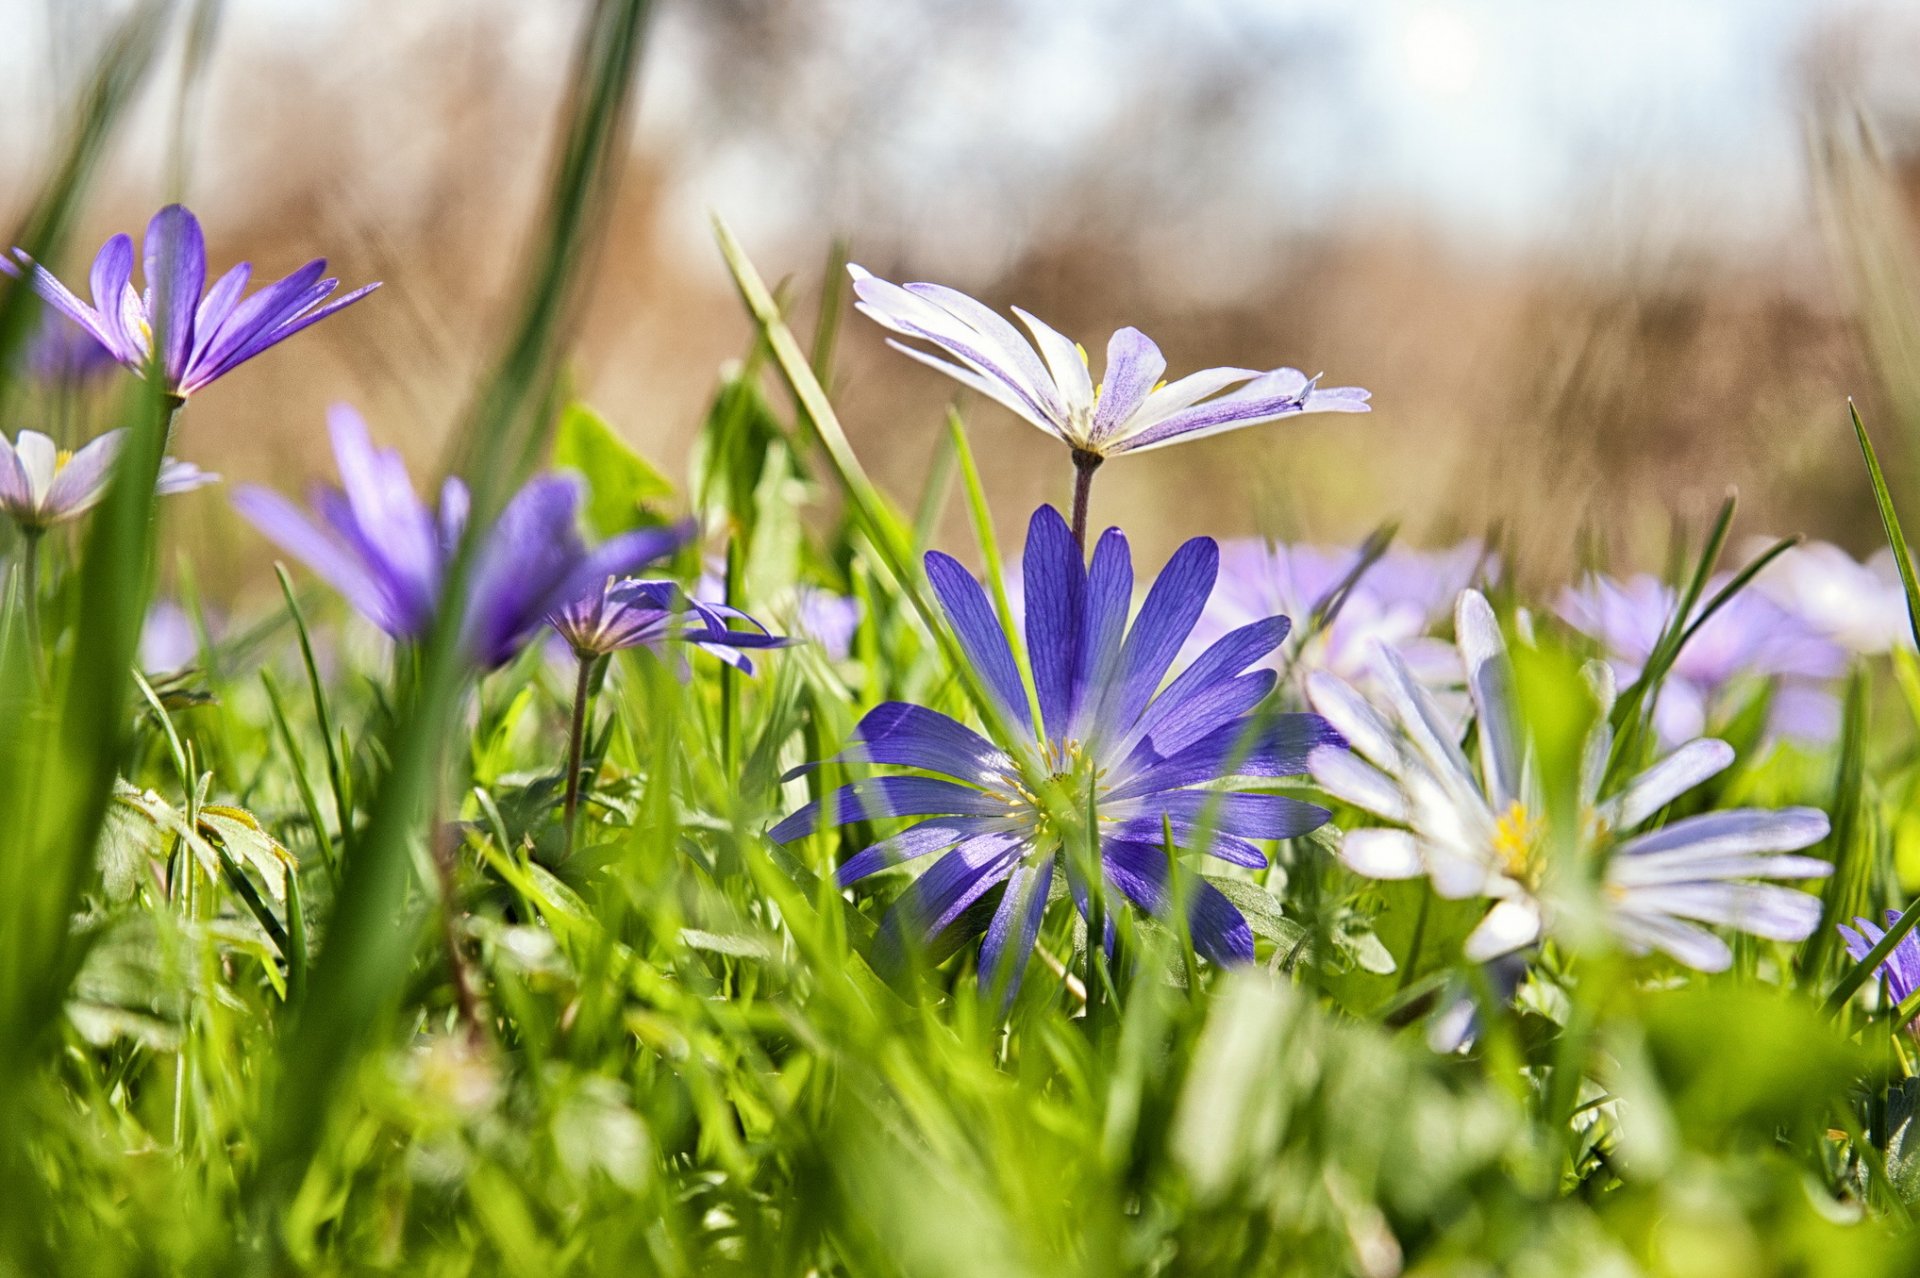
column 208, row 332
column 1751, row 636
column 61, row 353
column 625, row 612
column 1109, row 737
column 1860, row 606
column 41, row 486
column 828, row 619
column 169, row 643
column 1130, row 411
column 373, row 540
column 1901, row 967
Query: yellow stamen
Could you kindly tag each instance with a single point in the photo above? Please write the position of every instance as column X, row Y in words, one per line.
column 1516, row 841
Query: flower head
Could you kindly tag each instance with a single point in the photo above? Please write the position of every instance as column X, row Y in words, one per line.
column 1131, row 410
column 1478, row 829
column 1901, row 967
column 61, row 353
column 1750, row 636
column 41, row 486
column 1859, row 606
column 626, row 612
column 373, row 540
column 1111, row 748
column 205, row 332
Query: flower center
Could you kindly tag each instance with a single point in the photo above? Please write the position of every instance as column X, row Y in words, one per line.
column 1516, row 842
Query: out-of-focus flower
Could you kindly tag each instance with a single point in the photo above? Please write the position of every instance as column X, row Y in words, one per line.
column 41, row 486
column 168, row 641
column 1130, row 411
column 1860, row 606
column 625, row 612
column 1397, row 601
column 61, row 353
column 1749, row 637
column 208, row 332
column 827, row 619
column 1106, row 749
column 1901, row 967
column 373, row 540
column 1480, row 831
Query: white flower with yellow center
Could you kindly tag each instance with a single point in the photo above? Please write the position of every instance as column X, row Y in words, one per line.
column 1478, row 829
column 41, row 485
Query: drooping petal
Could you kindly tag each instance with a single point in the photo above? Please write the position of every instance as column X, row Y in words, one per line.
column 1015, row 927
column 1380, row 853
column 1280, row 393
column 915, row 841
column 934, row 900
column 1363, row 727
column 1508, row 926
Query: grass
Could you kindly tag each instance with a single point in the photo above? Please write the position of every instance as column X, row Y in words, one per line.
column 300, row 972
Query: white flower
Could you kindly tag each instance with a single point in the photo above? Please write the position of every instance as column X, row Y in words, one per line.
column 1478, row 828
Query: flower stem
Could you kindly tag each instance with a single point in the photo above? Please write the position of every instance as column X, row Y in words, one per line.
column 577, row 743
column 30, row 597
column 1084, row 464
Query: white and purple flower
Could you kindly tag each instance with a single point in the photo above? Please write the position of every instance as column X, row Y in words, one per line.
column 1129, row 411
column 1479, row 829
column 41, row 486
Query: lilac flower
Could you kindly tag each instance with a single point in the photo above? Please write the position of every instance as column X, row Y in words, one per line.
column 1859, row 606
column 61, row 353
column 168, row 641
column 1130, row 411
column 1480, row 831
column 625, row 612
column 41, row 486
column 1901, row 967
column 1108, row 737
column 373, row 540
column 827, row 619
column 208, row 332
column 1749, row 637
column 1396, row 602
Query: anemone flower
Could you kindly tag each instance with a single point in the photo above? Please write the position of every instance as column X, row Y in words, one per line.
column 1901, row 967
column 1859, row 606
column 626, row 612
column 1397, row 600
column 1111, row 756
column 41, row 486
column 1750, row 637
column 373, row 540
column 206, row 332
column 61, row 353
column 1480, row 831
column 1130, row 411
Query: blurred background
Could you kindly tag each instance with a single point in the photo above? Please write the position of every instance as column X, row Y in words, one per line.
column 1597, row 261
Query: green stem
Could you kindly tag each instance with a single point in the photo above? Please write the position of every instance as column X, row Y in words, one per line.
column 30, row 597
column 577, row 742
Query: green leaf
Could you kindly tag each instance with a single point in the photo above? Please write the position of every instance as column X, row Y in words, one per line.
column 622, row 485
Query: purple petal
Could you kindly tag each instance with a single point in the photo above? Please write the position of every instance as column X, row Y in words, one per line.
column 877, row 798
column 296, row 532
column 1244, row 747
column 1219, row 930
column 915, row 841
column 1167, row 617
column 1056, row 595
column 943, row 893
column 82, row 482
column 1015, row 927
column 910, row 736
column 982, row 641
column 112, row 272
column 176, row 270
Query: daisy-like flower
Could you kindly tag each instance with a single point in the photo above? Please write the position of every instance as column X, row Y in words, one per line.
column 373, row 540
column 1750, row 637
column 1860, row 606
column 41, row 486
column 1901, row 967
column 208, row 332
column 1111, row 744
column 1478, row 829
column 1397, row 601
column 626, row 612
column 1130, row 411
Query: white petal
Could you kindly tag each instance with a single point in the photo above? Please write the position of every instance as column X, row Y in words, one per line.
column 1509, row 925
column 38, row 456
column 1351, row 779
column 1764, row 909
column 1732, row 832
column 1695, row 947
column 1064, row 362
column 1382, row 854
column 1666, row 781
column 1353, row 718
column 1490, row 684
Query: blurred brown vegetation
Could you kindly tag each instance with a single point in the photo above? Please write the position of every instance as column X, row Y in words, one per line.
column 1559, row 395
